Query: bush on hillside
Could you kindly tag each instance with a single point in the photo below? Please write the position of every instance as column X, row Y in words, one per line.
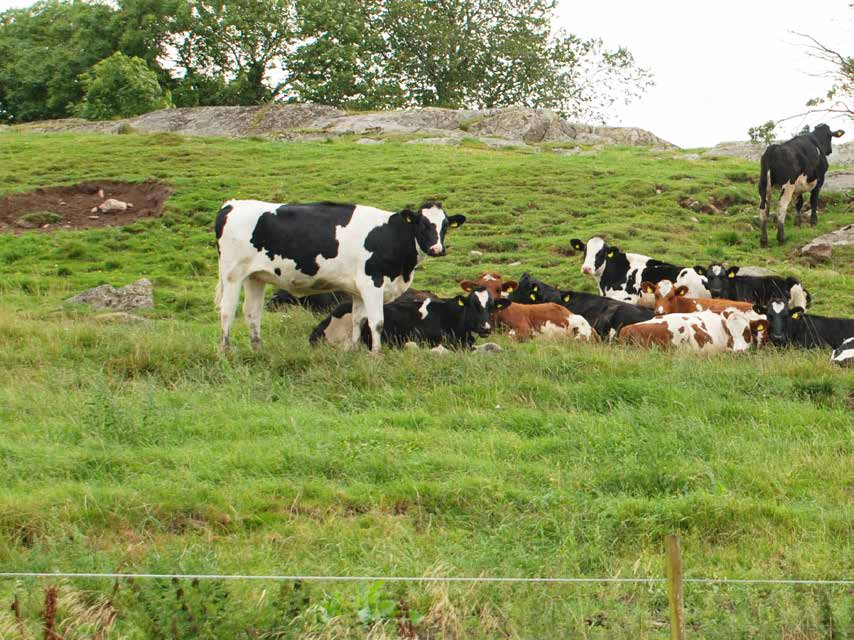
column 120, row 87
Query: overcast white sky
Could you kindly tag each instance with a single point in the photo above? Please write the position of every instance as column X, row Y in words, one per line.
column 720, row 66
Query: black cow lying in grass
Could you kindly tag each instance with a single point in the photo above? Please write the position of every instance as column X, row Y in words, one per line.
column 604, row 314
column 318, row 302
column 454, row 322
column 796, row 166
column 795, row 327
column 761, row 290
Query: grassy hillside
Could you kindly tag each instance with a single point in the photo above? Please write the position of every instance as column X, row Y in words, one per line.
column 142, row 449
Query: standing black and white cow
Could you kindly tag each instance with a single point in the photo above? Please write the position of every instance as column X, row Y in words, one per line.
column 796, row 166
column 605, row 315
column 619, row 275
column 313, row 248
column 795, row 327
column 726, row 283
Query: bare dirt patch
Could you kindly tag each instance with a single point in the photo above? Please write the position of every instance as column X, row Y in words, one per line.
column 73, row 205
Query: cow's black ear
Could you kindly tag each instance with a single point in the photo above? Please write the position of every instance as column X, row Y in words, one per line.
column 577, row 244
column 410, row 216
column 700, row 270
column 456, row 221
column 502, row 303
column 758, row 309
column 796, row 313
column 731, row 272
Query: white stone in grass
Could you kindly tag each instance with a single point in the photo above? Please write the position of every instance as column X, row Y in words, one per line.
column 441, row 350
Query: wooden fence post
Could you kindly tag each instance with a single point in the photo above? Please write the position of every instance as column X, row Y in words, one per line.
column 675, row 588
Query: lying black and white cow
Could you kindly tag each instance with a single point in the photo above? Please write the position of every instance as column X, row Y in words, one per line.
column 314, row 248
column 605, row 315
column 619, row 275
column 843, row 355
column 454, row 322
column 317, row 302
column 796, row 166
column 726, row 283
column 797, row 328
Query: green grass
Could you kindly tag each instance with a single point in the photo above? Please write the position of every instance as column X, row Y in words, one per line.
column 142, row 449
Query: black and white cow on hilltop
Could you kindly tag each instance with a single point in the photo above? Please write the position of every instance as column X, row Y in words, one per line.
column 453, row 322
column 726, row 283
column 605, row 315
column 314, row 248
column 619, row 275
column 796, row 166
column 795, row 327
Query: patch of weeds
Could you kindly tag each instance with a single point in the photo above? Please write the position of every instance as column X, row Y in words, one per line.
column 38, row 218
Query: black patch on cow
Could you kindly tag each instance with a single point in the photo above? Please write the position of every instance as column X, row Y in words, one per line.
column 277, row 271
column 219, row 225
column 393, row 252
column 617, row 273
column 797, row 328
column 319, row 302
column 301, row 232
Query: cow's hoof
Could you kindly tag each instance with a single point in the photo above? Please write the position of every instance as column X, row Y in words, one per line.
column 256, row 345
column 763, row 244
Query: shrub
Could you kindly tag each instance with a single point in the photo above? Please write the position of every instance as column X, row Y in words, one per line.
column 120, row 87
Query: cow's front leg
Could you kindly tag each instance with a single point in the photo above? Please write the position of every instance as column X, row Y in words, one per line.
column 373, row 300
column 785, row 199
column 253, row 305
column 814, row 202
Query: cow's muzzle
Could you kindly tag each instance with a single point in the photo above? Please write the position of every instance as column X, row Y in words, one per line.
column 587, row 270
column 436, row 252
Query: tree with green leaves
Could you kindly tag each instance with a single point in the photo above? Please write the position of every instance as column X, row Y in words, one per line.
column 44, row 49
column 120, row 87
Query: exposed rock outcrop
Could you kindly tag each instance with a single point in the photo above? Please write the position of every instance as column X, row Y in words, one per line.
column 842, row 153
column 313, row 122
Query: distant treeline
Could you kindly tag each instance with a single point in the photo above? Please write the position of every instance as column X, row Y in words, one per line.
column 60, row 58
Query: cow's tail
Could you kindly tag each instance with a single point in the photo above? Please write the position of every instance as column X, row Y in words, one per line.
column 764, row 181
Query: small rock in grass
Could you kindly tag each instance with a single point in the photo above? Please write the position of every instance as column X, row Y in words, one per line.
column 488, row 347
column 410, row 345
column 112, row 205
column 475, row 253
column 514, row 264
column 441, row 350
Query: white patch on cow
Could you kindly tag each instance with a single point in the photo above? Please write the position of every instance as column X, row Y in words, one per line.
column 339, row 332
column 487, row 326
column 778, row 307
column 423, row 308
column 483, row 297
column 717, row 270
column 512, row 332
column 488, row 277
column 801, row 184
column 695, row 282
column 700, row 307
column 665, row 287
column 843, row 355
column 581, row 329
column 797, row 297
column 660, row 310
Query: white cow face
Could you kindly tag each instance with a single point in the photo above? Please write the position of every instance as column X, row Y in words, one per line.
column 595, row 253
column 431, row 225
column 744, row 329
column 695, row 281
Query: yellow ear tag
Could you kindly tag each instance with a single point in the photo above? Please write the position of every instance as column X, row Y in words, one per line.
column 566, row 298
column 731, row 274
column 533, row 297
column 610, row 254
column 454, row 225
column 535, row 288
column 760, row 328
column 460, row 302
column 510, row 289
column 796, row 315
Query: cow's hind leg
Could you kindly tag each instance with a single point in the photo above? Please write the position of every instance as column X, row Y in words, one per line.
column 253, row 305
column 785, row 199
column 764, row 206
column 228, row 301
column 799, row 204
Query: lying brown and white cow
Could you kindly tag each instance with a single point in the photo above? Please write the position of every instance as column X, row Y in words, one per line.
column 672, row 299
column 530, row 320
column 702, row 332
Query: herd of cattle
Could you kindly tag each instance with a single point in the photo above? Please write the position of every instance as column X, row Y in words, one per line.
column 362, row 261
